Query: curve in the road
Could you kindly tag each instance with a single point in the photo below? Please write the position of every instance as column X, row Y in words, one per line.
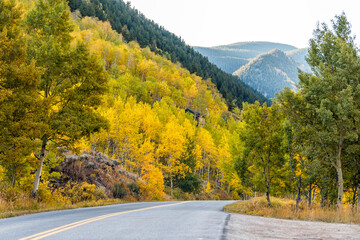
column 86, row 221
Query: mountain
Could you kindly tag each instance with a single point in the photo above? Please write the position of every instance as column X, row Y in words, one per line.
column 255, row 63
column 231, row 57
column 134, row 26
column 270, row 72
column 299, row 55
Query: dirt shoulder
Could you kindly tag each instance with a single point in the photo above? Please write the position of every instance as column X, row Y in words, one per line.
column 253, row 227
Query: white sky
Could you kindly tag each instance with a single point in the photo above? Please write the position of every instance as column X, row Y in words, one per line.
column 216, row 22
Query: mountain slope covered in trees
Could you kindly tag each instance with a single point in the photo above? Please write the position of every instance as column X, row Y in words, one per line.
column 71, row 86
column 269, row 73
column 248, row 62
column 299, row 56
column 100, row 94
column 232, row 56
column 133, row 25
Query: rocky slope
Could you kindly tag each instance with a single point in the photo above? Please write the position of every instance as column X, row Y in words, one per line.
column 94, row 168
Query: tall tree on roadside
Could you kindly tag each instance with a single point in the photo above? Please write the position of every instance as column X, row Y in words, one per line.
column 262, row 138
column 18, row 95
column 72, row 82
column 328, row 103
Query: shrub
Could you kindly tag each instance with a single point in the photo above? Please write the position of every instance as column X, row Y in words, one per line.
column 190, row 184
column 78, row 192
column 134, row 188
column 119, row 190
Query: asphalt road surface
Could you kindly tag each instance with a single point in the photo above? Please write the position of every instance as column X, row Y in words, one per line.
column 149, row 220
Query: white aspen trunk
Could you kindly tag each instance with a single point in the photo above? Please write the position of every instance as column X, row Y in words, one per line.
column 171, row 178
column 340, row 186
column 41, row 158
column 209, row 169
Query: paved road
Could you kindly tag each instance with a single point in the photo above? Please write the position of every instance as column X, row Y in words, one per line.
column 151, row 220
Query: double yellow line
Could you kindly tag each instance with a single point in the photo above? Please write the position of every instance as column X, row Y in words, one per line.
column 86, row 221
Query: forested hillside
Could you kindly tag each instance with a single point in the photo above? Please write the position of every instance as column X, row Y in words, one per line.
column 233, row 56
column 259, row 66
column 299, row 56
column 270, row 72
column 86, row 89
column 85, row 115
column 133, row 25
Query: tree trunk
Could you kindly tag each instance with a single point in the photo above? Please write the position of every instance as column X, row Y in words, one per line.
column 171, row 182
column 268, row 193
column 41, row 158
column 340, row 185
column 13, row 177
column 267, row 183
column 267, row 179
column 340, row 174
column 171, row 178
column 310, row 193
column 208, row 177
column 298, row 180
column 222, row 179
column 298, row 193
column 353, row 202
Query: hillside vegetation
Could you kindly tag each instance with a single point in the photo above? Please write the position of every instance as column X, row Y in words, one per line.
column 134, row 26
column 259, row 65
column 132, row 109
column 269, row 73
column 233, row 56
column 87, row 116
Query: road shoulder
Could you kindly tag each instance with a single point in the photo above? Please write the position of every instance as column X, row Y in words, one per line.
column 253, row 227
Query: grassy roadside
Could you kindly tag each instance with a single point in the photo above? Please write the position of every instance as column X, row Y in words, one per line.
column 285, row 209
column 33, row 206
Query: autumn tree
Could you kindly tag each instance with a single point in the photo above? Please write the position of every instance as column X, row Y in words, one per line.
column 19, row 101
column 188, row 181
column 151, row 174
column 173, row 145
column 262, row 138
column 72, row 82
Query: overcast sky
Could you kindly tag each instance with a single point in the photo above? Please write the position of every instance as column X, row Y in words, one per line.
column 217, row 22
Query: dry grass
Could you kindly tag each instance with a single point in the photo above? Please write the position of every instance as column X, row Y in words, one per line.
column 285, row 209
column 24, row 206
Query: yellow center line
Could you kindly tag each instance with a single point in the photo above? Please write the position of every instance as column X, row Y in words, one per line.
column 83, row 222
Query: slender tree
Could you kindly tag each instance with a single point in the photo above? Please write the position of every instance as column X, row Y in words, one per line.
column 72, row 82
column 327, row 105
column 19, row 101
column 262, row 139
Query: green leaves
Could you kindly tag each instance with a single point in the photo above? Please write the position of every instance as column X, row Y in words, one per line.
column 327, row 105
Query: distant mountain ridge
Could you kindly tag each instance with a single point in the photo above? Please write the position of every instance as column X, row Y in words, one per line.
column 265, row 66
column 270, row 72
column 231, row 57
